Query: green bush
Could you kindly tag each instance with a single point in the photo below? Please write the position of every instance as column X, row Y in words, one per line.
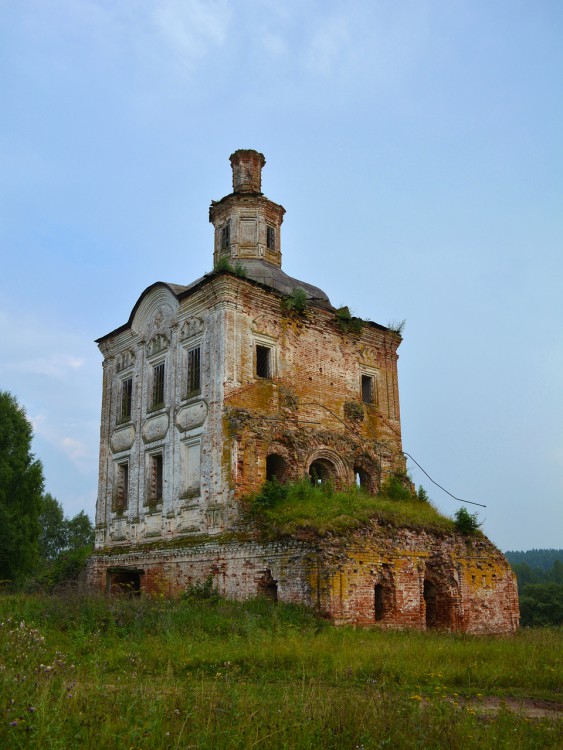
column 296, row 301
column 465, row 522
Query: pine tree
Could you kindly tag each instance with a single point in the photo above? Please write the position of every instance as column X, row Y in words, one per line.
column 21, row 488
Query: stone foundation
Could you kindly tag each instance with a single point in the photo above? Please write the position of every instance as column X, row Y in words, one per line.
column 388, row 578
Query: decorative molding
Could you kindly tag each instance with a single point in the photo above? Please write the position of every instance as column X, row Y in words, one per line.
column 191, row 327
column 124, row 360
column 192, row 416
column 123, row 439
column 155, row 428
column 157, row 344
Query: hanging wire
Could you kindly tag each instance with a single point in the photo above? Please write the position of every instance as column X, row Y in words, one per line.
column 470, row 502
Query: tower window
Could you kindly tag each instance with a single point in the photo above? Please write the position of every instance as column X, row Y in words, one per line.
column 226, row 236
column 270, row 238
column 122, row 486
column 126, row 394
column 194, row 371
column 367, row 389
column 158, row 385
column 155, row 478
column 263, row 362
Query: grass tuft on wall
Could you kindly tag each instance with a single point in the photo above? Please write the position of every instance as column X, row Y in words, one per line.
column 294, row 508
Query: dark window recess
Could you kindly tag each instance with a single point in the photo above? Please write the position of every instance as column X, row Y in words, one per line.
column 379, row 602
column 367, row 389
column 158, row 385
column 271, row 238
column 156, row 477
column 194, row 371
column 263, row 363
column 122, row 486
column 226, row 236
column 126, row 396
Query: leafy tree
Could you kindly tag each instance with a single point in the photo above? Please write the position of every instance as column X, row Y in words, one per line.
column 64, row 544
column 541, row 604
column 53, row 536
column 21, row 488
column 466, row 522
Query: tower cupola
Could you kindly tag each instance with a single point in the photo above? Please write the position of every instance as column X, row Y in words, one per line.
column 247, row 224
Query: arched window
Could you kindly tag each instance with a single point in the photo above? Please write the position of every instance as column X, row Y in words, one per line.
column 322, row 471
column 362, row 479
column 276, row 468
column 430, row 596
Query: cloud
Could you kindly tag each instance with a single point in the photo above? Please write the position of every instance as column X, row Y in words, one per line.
column 330, row 45
column 190, row 27
column 73, row 448
column 55, row 365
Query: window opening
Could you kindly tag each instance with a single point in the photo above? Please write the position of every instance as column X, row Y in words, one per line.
column 270, row 238
column 263, row 362
column 158, row 385
column 226, row 236
column 194, row 371
column 156, row 478
column 126, row 398
column 122, row 486
column 362, row 479
column 321, row 471
column 276, row 468
column 268, row 587
column 367, row 389
column 430, row 596
column 378, row 602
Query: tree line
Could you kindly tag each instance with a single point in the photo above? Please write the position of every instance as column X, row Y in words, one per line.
column 540, row 585
column 39, row 546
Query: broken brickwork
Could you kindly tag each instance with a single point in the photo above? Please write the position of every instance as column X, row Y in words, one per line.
column 244, row 375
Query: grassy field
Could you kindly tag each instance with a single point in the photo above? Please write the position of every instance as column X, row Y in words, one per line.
column 86, row 672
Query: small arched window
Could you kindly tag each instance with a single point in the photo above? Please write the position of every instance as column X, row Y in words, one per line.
column 276, row 468
column 322, row 471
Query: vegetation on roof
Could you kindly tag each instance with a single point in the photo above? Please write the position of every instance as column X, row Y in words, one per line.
column 295, row 508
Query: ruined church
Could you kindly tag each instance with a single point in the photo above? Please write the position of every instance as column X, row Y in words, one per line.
column 247, row 374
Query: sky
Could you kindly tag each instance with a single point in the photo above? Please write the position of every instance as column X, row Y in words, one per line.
column 417, row 147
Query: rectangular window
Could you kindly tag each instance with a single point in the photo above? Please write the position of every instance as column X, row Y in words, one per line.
column 192, row 471
column 122, row 486
column 126, row 394
column 263, row 362
column 155, row 478
column 271, row 238
column 194, row 371
column 158, row 385
column 367, row 389
column 226, row 236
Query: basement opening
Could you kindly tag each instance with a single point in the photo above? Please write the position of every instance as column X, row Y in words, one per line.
column 268, row 587
column 124, row 582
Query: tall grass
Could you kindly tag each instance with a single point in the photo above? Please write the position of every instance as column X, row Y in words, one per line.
column 296, row 507
column 89, row 672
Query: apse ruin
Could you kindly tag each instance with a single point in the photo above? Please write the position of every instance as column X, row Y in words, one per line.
column 244, row 375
